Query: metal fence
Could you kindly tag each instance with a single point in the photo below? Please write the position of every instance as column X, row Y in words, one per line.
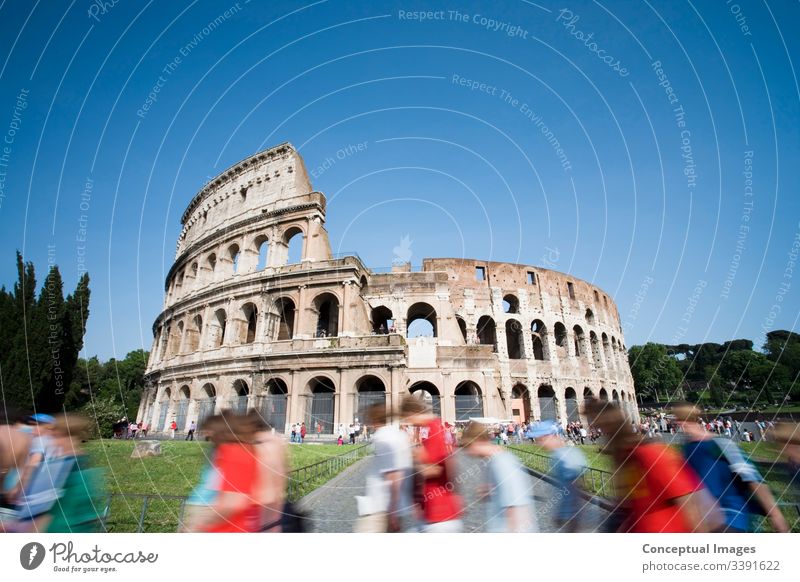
column 595, row 481
column 601, row 483
column 146, row 513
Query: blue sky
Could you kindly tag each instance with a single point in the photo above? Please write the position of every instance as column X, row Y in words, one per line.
column 649, row 148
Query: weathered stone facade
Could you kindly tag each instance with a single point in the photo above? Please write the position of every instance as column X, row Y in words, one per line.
column 318, row 338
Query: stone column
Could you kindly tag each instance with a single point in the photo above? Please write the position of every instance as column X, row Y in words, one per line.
column 300, row 313
column 447, row 397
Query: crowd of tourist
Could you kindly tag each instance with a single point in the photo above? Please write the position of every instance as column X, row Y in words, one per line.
column 698, row 482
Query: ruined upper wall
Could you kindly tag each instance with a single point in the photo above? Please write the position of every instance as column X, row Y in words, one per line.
column 265, row 182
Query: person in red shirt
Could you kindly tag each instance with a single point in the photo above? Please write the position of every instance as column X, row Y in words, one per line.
column 441, row 505
column 658, row 492
column 235, row 508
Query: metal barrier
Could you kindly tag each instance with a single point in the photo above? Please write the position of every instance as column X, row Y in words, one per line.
column 153, row 513
column 595, row 481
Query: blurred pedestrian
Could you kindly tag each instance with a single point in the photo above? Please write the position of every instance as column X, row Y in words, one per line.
column 568, row 464
column 736, row 484
column 190, row 432
column 509, row 507
column 441, row 504
column 173, row 428
column 302, row 432
column 657, row 492
column 387, row 503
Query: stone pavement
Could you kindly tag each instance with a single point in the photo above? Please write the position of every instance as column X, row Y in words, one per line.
column 333, row 506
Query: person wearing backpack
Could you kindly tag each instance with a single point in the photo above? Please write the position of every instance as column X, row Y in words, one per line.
column 736, row 484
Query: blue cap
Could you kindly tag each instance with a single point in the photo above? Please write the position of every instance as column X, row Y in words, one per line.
column 543, row 428
column 43, row 418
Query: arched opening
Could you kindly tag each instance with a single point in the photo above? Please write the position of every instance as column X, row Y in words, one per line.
column 194, row 334
column 469, row 401
column 249, row 323
column 234, row 254
column 211, row 262
column 596, row 357
column 589, row 315
column 548, row 409
column 294, row 238
column 514, row 342
column 327, row 308
column 382, row 320
column 206, row 404
column 285, row 312
column 429, row 394
column 520, row 403
column 561, row 338
column 219, row 322
column 370, row 391
column 177, row 340
column 539, row 340
column 183, row 408
column 421, row 321
column 319, row 415
column 165, row 337
column 273, row 403
column 194, row 270
column 462, row 327
column 615, row 397
column 607, row 350
column 487, row 332
column 241, row 394
column 163, row 409
column 571, row 402
column 580, row 341
column 261, row 244
column 603, row 395
column 587, row 393
column 510, row 304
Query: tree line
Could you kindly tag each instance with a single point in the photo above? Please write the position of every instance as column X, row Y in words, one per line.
column 41, row 337
column 727, row 374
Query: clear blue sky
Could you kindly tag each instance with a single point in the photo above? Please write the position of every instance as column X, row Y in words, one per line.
column 463, row 168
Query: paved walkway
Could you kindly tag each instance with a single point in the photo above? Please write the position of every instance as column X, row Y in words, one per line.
column 333, row 506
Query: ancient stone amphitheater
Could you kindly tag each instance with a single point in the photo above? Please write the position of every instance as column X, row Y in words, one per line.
column 260, row 314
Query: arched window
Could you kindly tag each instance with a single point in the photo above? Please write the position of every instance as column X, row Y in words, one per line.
column 183, row 408
column 561, row 338
column 285, row 309
column 194, row 333
column 382, row 320
column 211, row 262
column 607, row 350
column 241, row 392
column 520, row 403
column 487, row 332
column 327, row 308
column 217, row 328
column 510, row 304
column 429, row 394
column 421, row 321
column 603, row 395
column 207, row 403
column 233, row 256
column 547, row 403
column 514, row 341
column 539, row 340
column 249, row 324
column 177, row 340
column 571, row 401
column 462, row 326
column 273, row 404
column 596, row 357
column 580, row 341
column 262, row 249
column 163, row 410
column 587, row 393
column 469, row 401
column 370, row 390
column 320, row 413
column 293, row 239
column 589, row 317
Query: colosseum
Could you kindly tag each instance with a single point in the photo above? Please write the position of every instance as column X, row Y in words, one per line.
column 259, row 313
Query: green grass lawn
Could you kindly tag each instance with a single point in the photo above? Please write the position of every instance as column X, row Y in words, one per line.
column 175, row 473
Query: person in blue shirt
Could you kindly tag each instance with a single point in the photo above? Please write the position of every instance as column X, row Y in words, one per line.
column 569, row 463
column 736, row 484
column 509, row 505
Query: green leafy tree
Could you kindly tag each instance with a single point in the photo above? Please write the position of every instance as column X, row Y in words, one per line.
column 656, row 374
